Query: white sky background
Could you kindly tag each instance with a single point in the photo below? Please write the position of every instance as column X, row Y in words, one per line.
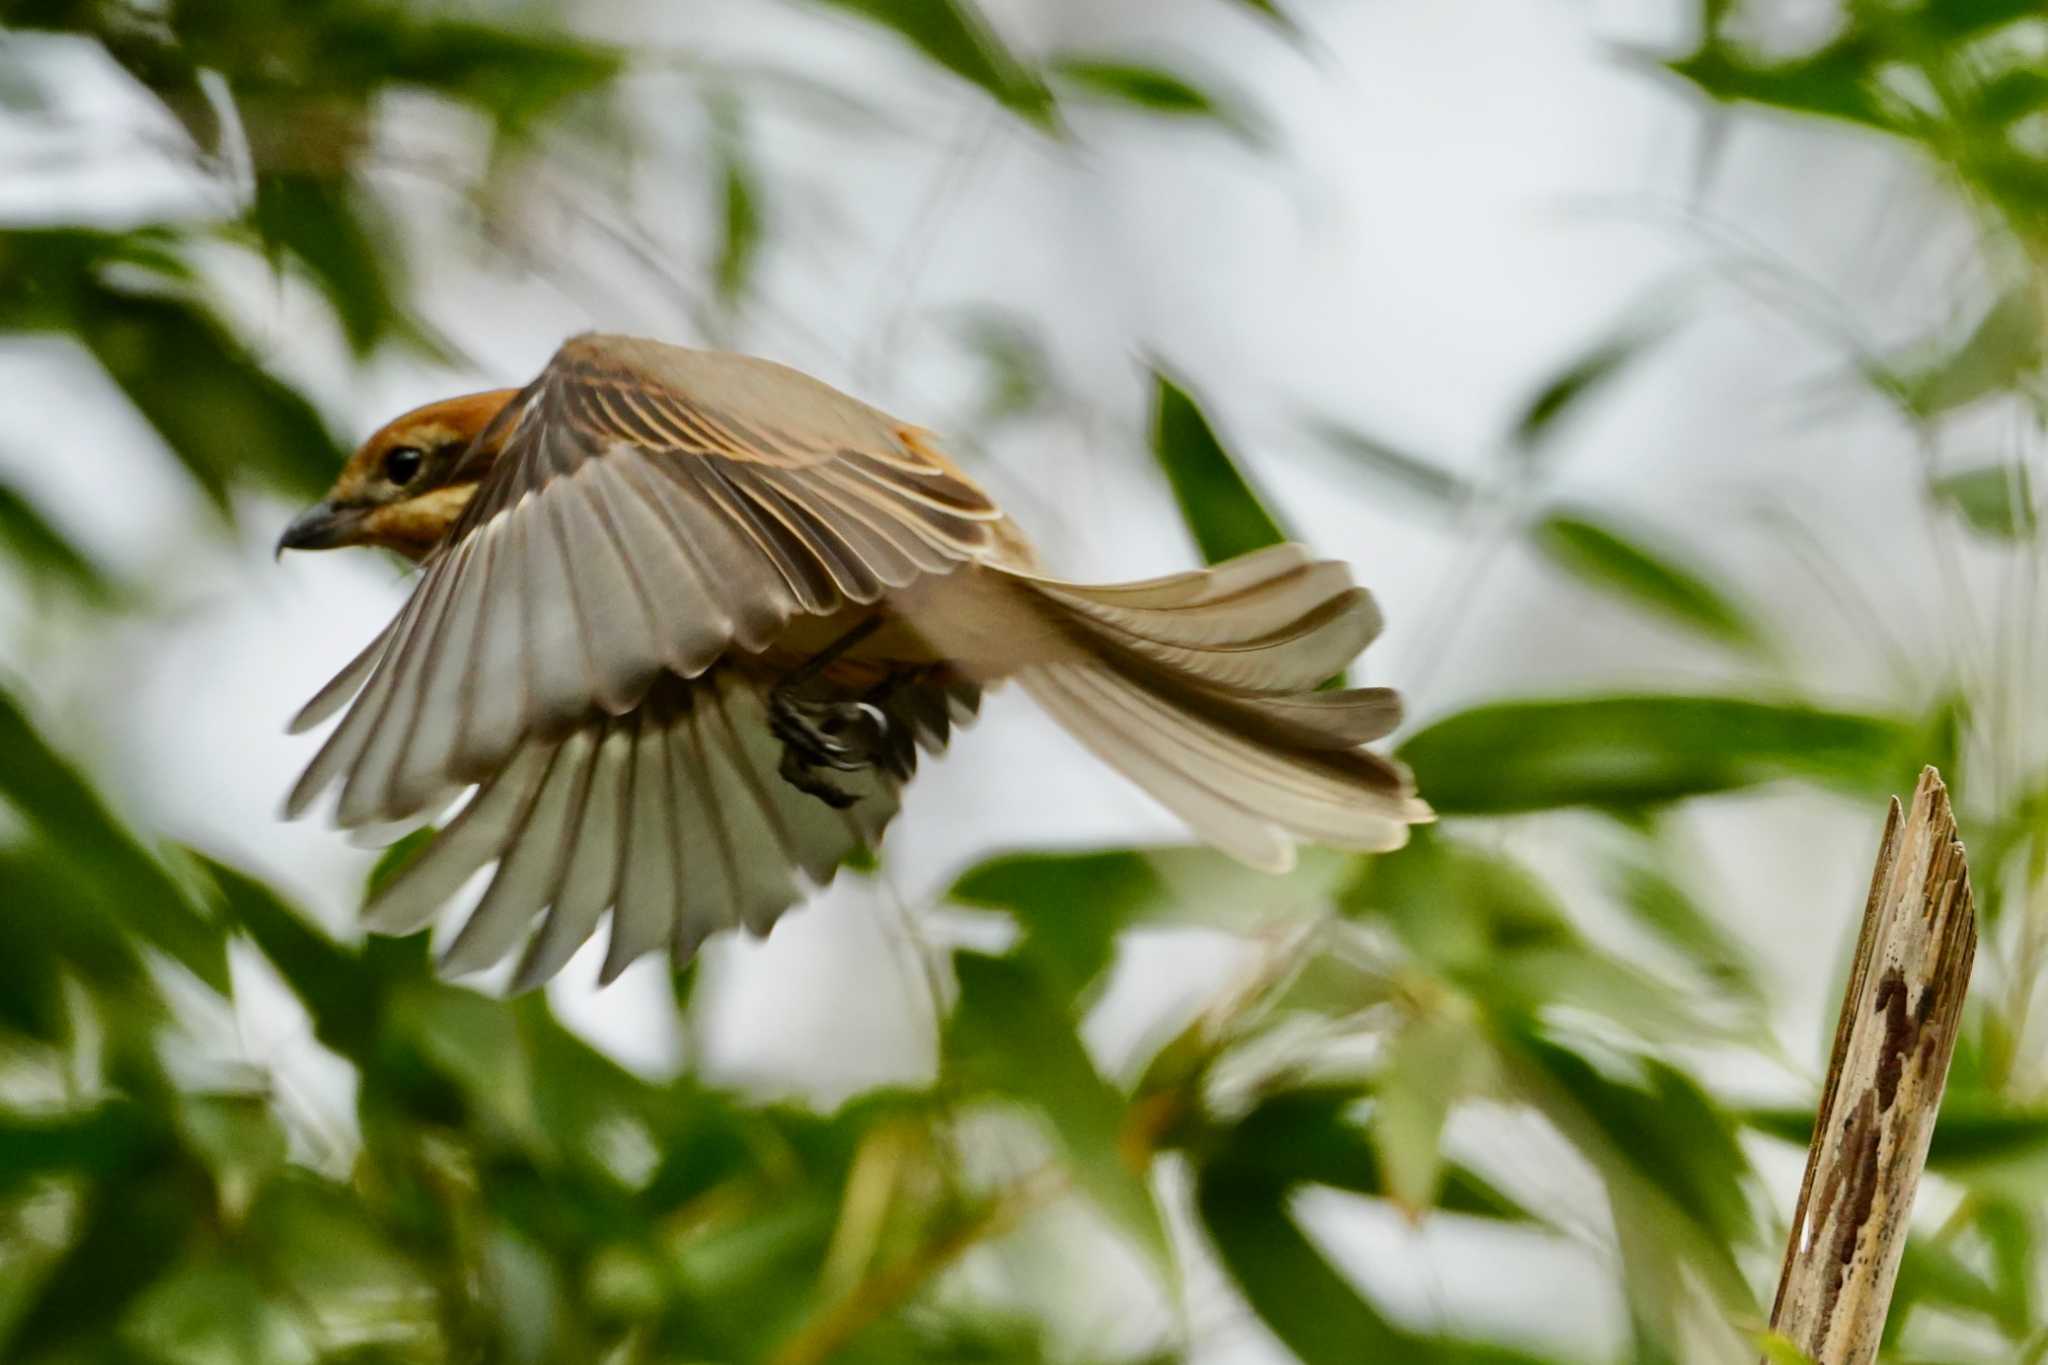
column 1461, row 195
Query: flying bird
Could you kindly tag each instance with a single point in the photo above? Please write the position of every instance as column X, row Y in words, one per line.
column 685, row 620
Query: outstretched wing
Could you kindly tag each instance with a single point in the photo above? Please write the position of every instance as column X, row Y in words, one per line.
column 672, row 817
column 653, row 509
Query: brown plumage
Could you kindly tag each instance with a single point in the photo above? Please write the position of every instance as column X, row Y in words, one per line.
column 685, row 619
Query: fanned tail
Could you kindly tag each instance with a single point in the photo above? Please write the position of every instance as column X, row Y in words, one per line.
column 1200, row 688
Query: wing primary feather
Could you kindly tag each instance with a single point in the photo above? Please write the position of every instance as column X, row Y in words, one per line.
column 596, row 853
column 648, row 880
column 531, row 864
column 342, row 686
column 475, row 836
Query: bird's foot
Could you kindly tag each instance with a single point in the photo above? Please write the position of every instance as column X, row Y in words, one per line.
column 818, row 734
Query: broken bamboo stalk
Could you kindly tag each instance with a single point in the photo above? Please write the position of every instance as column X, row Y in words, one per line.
column 1877, row 1109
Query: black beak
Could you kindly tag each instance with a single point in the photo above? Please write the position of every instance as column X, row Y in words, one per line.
column 319, row 527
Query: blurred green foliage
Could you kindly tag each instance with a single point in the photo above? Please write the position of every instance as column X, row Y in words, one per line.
column 506, row 1192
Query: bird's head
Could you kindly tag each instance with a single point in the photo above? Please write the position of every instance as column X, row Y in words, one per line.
column 406, row 485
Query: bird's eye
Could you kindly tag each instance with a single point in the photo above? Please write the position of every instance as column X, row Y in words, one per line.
column 402, row 465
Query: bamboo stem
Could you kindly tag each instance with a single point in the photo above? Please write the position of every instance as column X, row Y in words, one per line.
column 1892, row 1048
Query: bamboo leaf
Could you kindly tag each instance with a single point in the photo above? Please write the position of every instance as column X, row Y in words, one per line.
column 1223, row 513
column 129, row 882
column 1996, row 500
column 1604, row 556
column 956, row 35
column 1632, row 751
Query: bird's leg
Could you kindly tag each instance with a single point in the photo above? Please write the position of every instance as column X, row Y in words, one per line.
column 842, row 733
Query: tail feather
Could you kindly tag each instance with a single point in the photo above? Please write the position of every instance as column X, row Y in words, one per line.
column 1281, row 632
column 1199, row 688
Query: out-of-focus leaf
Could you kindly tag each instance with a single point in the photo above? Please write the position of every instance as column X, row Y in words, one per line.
column 1461, row 908
column 1011, row 1036
column 239, row 1139
column 1485, row 923
column 135, row 1228
column 1931, row 1274
column 319, row 220
column 96, row 1142
column 1319, row 1315
column 130, row 884
column 225, row 417
column 2009, row 1232
column 1020, row 370
column 1318, row 1136
column 1153, row 89
column 1605, row 557
column 43, row 552
column 123, row 297
column 1666, row 1128
column 1574, row 386
column 739, row 239
column 1426, row 479
column 519, row 77
column 1314, row 1310
column 1995, row 499
column 213, row 1313
column 1437, row 1059
column 339, row 995
column 1668, row 1153
column 2005, row 347
column 1641, row 750
column 1222, row 512
column 1071, row 906
column 1271, row 11
column 1781, row 1350
column 1667, row 910
column 956, row 35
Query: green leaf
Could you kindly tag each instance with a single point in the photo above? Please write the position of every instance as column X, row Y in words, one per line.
column 1437, row 1059
column 1425, row 479
column 212, row 1312
column 319, row 220
column 1996, row 500
column 519, row 77
column 340, row 995
column 1632, row 751
column 1606, row 557
column 43, row 552
column 1667, row 1153
column 1660, row 905
column 1071, row 906
column 97, row 1142
column 1318, row 1136
column 956, row 35
column 1153, row 89
column 1271, row 11
column 133, row 1230
column 226, row 418
column 129, row 883
column 1318, row 1314
column 1575, row 385
column 1314, row 1311
column 2004, row 348
column 1222, row 512
column 1010, row 1035
column 739, row 239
